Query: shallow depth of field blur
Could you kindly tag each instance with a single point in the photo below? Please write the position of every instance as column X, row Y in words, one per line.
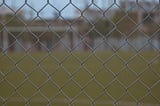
column 80, row 52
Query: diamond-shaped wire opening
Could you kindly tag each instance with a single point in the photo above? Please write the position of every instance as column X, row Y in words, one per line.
column 138, row 90
column 81, row 76
column 104, row 77
column 49, row 90
column 27, row 90
column 126, row 77
column 116, row 90
column 14, row 42
column 89, row 64
column 15, row 77
column 6, row 89
column 101, row 29
column 48, row 40
column 60, row 77
column 84, row 29
column 100, row 45
column 137, row 64
column 6, row 64
column 149, row 78
column 37, row 77
column 138, row 40
column 62, row 41
column 71, row 64
column 121, row 25
column 93, row 89
column 49, row 64
column 71, row 89
column 115, row 41
column 26, row 40
column 21, row 64
column 115, row 61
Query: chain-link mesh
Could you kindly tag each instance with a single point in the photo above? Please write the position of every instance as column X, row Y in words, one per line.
column 81, row 53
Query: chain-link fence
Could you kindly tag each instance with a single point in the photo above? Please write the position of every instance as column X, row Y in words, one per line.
column 80, row 53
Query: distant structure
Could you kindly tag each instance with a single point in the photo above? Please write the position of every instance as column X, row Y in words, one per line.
column 59, row 34
column 142, row 8
column 3, row 39
column 91, row 14
column 146, row 13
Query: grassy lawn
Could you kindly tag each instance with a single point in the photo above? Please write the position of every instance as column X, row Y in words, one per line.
column 79, row 78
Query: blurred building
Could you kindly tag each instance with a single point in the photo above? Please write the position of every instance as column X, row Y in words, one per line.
column 146, row 14
column 143, row 9
column 41, row 35
column 3, row 39
column 67, row 34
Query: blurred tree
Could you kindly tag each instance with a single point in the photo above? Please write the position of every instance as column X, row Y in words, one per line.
column 14, row 19
column 125, row 24
column 93, row 31
column 98, row 29
column 150, row 24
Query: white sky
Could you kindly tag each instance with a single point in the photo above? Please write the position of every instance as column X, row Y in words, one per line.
column 48, row 11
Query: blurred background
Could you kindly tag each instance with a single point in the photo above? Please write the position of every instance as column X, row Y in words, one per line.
column 79, row 52
column 79, row 25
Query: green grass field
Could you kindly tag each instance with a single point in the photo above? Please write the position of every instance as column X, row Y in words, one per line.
column 80, row 78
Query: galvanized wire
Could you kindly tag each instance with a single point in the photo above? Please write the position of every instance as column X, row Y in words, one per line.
column 44, row 52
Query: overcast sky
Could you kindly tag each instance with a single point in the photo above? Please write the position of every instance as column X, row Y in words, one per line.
column 67, row 9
